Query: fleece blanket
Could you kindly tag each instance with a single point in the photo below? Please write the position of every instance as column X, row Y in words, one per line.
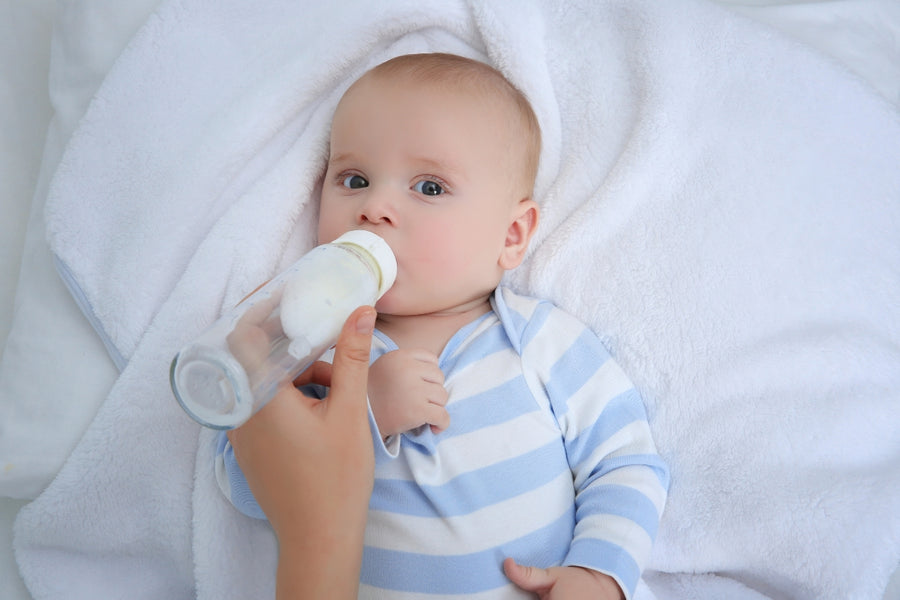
column 720, row 204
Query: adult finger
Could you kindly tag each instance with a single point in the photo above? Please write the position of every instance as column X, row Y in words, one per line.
column 319, row 372
column 350, row 372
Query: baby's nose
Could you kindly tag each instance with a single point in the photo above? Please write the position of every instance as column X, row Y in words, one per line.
column 377, row 208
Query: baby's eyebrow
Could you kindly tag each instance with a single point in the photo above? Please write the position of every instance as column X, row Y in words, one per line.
column 430, row 163
column 343, row 157
column 442, row 167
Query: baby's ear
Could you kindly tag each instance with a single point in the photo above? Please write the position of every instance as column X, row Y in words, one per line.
column 518, row 235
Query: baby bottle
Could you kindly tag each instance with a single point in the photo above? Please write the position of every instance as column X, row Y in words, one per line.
column 236, row 366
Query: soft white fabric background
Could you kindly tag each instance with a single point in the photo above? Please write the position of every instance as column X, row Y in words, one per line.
column 53, row 56
column 55, row 371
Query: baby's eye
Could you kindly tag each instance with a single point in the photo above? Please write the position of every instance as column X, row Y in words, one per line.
column 429, row 188
column 355, row 182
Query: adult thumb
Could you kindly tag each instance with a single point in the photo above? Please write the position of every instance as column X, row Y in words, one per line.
column 350, row 370
column 530, row 579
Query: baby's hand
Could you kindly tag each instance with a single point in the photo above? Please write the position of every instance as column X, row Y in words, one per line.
column 566, row 583
column 406, row 390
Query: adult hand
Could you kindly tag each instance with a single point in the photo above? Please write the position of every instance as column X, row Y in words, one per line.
column 310, row 464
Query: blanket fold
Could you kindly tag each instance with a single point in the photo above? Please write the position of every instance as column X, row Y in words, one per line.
column 718, row 203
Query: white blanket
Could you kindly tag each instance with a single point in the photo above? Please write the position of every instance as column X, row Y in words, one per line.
column 719, row 203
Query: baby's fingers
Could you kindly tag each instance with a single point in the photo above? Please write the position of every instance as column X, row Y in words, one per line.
column 437, row 394
column 531, row 579
column 438, row 418
column 431, row 371
column 423, row 355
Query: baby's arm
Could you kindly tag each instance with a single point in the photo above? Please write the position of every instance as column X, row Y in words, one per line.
column 406, row 390
column 620, row 487
column 620, row 480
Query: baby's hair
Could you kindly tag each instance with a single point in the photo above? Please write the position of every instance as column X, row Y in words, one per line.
column 458, row 70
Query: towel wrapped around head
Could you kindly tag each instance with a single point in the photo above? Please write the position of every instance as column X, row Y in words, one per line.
column 718, row 203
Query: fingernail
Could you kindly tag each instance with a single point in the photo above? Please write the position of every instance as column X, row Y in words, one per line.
column 366, row 323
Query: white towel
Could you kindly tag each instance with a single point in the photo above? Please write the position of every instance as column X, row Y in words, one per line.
column 721, row 205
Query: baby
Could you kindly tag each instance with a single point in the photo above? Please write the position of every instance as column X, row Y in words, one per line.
column 507, row 434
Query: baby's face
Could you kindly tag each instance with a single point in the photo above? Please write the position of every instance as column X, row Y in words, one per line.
column 430, row 170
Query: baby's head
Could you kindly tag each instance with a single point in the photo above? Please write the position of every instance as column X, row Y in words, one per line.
column 438, row 155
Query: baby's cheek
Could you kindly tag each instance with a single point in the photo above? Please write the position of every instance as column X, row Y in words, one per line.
column 328, row 231
column 387, row 302
column 332, row 222
column 441, row 250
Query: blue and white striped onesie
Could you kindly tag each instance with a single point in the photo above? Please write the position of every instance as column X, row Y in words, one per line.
column 548, row 459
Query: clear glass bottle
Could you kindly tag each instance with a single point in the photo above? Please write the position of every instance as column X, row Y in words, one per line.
column 236, row 366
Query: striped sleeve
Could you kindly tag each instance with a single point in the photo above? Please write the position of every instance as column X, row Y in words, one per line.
column 620, row 481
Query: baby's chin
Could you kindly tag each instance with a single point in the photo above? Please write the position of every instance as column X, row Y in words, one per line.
column 393, row 304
